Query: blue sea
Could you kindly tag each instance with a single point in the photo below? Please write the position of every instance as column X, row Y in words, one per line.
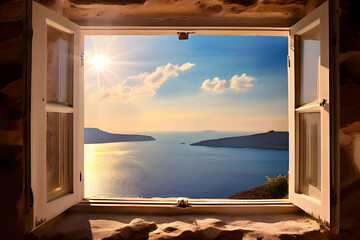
column 171, row 167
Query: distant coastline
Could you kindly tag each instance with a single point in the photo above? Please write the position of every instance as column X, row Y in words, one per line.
column 277, row 140
column 95, row 135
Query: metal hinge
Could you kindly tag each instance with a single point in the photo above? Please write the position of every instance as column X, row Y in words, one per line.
column 31, row 203
column 333, row 198
column 29, row 33
column 39, row 221
column 29, row 200
column 288, row 60
column 183, row 203
column 82, row 59
column 333, row 40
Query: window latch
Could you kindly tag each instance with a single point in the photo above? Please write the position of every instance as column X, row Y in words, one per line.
column 183, row 203
column 82, row 59
column 184, row 35
column 288, row 60
column 323, row 102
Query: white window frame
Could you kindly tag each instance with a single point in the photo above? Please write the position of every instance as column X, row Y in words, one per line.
column 231, row 31
column 158, row 205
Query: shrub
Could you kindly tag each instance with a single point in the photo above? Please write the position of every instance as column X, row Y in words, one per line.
column 278, row 187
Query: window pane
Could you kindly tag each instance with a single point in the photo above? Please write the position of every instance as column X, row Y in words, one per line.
column 309, row 65
column 59, row 154
column 310, row 164
column 59, row 66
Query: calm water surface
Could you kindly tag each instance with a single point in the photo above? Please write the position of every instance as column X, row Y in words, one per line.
column 170, row 167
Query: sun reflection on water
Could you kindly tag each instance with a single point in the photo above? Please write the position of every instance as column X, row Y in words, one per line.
column 105, row 169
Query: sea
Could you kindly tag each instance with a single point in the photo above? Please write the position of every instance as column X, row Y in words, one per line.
column 171, row 167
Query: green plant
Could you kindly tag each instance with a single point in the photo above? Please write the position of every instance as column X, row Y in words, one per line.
column 278, row 187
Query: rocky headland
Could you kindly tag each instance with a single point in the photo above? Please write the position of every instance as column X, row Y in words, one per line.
column 95, row 135
column 277, row 140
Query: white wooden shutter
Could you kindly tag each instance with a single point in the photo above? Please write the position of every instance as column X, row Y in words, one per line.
column 67, row 110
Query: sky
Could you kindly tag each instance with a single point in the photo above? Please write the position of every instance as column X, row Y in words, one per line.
column 137, row 84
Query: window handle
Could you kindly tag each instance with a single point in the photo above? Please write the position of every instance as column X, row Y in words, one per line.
column 183, row 203
column 322, row 103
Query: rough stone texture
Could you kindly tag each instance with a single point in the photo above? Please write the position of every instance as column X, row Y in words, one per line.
column 245, row 3
column 210, row 10
column 137, row 229
column 162, row 12
column 12, row 110
column 120, row 2
column 76, row 225
column 350, row 117
column 349, row 26
column 350, row 177
column 190, row 12
column 282, row 2
column 59, row 6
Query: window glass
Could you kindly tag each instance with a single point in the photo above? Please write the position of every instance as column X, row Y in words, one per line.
column 310, row 164
column 59, row 154
column 59, row 66
column 309, row 65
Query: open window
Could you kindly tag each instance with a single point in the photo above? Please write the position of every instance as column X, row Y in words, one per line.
column 309, row 127
column 57, row 112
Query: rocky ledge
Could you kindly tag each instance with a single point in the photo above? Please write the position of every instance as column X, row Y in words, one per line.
column 82, row 225
column 210, row 228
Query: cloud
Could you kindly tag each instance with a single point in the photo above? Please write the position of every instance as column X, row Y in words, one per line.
column 241, row 83
column 186, row 66
column 215, row 85
column 139, row 86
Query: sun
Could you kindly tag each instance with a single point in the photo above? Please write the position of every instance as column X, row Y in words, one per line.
column 100, row 61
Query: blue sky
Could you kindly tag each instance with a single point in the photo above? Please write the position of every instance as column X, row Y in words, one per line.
column 159, row 83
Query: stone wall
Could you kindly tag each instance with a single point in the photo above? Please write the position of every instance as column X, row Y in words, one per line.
column 59, row 6
column 13, row 25
column 15, row 53
column 190, row 12
column 14, row 113
column 349, row 114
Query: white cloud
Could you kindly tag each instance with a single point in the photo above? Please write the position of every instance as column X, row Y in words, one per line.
column 241, row 83
column 186, row 66
column 215, row 85
column 140, row 86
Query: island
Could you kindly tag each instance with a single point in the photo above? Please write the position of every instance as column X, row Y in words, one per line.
column 277, row 140
column 95, row 135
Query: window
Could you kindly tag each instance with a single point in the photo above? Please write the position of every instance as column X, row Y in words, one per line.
column 172, row 95
column 56, row 188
